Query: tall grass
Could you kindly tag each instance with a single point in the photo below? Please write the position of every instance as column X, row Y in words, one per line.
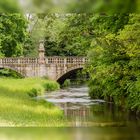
column 28, row 85
column 18, row 108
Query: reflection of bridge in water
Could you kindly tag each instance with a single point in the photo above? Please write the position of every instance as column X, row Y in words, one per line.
column 78, row 116
column 55, row 68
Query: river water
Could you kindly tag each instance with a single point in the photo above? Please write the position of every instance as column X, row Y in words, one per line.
column 82, row 112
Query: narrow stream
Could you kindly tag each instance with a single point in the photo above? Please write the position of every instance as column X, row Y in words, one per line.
column 81, row 111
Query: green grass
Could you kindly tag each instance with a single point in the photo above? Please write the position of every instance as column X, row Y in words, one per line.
column 18, row 108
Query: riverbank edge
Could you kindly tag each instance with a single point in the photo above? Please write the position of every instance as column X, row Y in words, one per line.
column 18, row 108
column 122, row 105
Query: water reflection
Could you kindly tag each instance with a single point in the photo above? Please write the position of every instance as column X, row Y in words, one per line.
column 81, row 111
column 92, row 133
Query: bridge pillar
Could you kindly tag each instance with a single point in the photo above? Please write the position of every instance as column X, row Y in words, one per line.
column 41, row 52
column 42, row 60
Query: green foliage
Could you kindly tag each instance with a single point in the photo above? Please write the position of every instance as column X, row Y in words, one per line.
column 9, row 73
column 36, row 91
column 12, row 34
column 115, row 65
column 29, row 49
column 9, row 6
column 76, row 37
column 72, row 34
column 85, row 6
column 66, row 83
column 103, row 6
column 64, row 34
column 50, row 86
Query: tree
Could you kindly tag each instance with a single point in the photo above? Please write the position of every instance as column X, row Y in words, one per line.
column 115, row 66
column 12, row 34
column 9, row 6
column 64, row 34
column 68, row 35
column 109, row 7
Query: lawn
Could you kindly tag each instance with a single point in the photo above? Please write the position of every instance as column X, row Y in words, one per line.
column 18, row 107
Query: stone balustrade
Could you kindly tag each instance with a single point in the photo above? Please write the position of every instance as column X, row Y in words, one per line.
column 19, row 61
column 66, row 60
column 48, row 60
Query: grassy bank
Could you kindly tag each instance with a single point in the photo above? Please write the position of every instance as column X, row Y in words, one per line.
column 18, row 108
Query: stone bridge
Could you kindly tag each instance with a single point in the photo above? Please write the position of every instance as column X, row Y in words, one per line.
column 55, row 68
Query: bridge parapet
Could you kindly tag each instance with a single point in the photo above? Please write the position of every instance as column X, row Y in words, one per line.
column 19, row 61
column 66, row 60
column 49, row 60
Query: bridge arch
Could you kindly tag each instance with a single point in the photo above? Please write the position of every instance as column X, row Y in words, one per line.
column 14, row 69
column 62, row 77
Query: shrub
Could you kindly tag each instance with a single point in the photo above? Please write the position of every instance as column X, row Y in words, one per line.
column 66, row 83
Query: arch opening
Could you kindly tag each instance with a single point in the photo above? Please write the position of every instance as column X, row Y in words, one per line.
column 72, row 74
column 10, row 72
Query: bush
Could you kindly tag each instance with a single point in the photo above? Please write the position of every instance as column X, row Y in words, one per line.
column 36, row 91
column 66, row 83
column 50, row 86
